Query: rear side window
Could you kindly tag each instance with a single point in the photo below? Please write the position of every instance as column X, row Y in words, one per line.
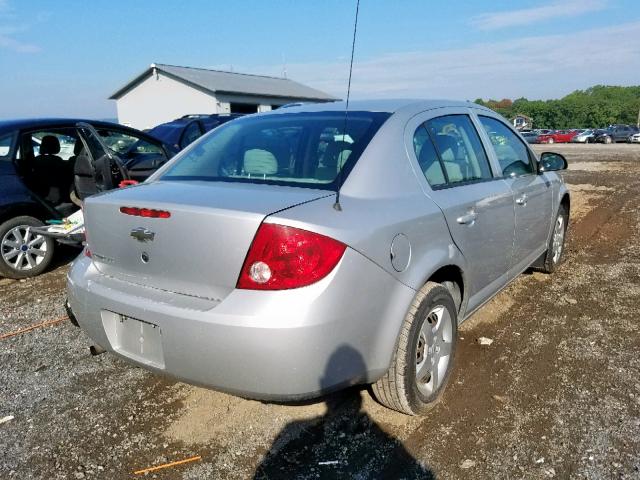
column 512, row 153
column 300, row 149
column 459, row 150
column 428, row 158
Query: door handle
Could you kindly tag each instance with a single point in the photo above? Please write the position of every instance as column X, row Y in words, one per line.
column 522, row 200
column 468, row 219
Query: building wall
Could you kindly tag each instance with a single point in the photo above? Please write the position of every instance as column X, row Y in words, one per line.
column 264, row 104
column 160, row 99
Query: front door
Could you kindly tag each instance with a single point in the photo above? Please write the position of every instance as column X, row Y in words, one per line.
column 532, row 192
column 477, row 206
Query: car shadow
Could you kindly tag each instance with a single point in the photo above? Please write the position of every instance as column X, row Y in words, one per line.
column 64, row 255
column 345, row 442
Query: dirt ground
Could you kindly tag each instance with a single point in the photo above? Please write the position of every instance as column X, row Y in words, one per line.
column 557, row 393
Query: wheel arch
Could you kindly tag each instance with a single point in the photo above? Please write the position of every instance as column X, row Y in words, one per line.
column 565, row 201
column 451, row 274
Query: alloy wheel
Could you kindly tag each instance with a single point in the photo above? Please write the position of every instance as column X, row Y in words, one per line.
column 23, row 249
column 558, row 239
column 433, row 350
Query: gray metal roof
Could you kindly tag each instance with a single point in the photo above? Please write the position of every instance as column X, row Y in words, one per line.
column 229, row 82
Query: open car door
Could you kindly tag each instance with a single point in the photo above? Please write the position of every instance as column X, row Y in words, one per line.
column 98, row 168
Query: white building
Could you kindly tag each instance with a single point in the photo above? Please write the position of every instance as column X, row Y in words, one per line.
column 165, row 92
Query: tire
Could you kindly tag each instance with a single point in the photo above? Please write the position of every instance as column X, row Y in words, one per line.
column 553, row 256
column 399, row 388
column 608, row 140
column 550, row 141
column 23, row 254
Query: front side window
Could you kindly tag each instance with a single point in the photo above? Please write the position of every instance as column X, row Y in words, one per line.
column 459, row 148
column 300, row 149
column 126, row 146
column 512, row 153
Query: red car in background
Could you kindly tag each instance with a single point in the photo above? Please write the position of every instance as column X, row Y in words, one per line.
column 559, row 136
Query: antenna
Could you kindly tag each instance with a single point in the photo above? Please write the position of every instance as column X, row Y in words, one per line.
column 336, row 205
column 284, row 66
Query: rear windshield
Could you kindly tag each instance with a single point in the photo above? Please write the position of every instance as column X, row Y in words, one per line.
column 299, row 149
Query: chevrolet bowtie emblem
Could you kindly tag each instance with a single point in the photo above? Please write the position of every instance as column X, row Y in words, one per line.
column 142, row 234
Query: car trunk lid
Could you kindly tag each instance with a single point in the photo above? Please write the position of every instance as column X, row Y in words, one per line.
column 199, row 250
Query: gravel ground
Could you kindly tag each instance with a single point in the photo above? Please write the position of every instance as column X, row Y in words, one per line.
column 557, row 393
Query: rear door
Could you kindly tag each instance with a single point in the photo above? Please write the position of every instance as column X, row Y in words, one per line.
column 532, row 192
column 478, row 207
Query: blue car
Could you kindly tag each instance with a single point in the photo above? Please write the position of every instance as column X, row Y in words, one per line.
column 48, row 166
column 182, row 131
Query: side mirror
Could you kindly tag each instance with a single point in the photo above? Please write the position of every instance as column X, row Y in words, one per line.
column 551, row 162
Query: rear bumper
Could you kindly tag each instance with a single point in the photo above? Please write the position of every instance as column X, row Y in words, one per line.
column 283, row 345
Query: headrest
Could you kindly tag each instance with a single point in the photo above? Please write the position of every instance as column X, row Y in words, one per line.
column 77, row 147
column 337, row 152
column 50, row 145
column 260, row 162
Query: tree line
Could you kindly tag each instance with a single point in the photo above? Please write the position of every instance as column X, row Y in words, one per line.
column 595, row 107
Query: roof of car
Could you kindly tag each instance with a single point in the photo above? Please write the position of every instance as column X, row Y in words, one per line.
column 388, row 106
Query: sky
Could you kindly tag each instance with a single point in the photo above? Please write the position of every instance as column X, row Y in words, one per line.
column 65, row 58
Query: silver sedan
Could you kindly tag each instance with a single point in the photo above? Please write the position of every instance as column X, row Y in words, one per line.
column 292, row 253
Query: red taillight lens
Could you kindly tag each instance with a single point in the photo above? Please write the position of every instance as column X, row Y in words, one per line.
column 145, row 212
column 282, row 258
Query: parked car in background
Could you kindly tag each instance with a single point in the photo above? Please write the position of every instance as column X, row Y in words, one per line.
column 583, row 136
column 543, row 131
column 530, row 137
column 617, row 133
column 236, row 267
column 557, row 136
column 596, row 132
column 635, row 138
column 47, row 166
column 184, row 130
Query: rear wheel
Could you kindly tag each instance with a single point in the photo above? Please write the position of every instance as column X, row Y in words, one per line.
column 23, row 253
column 424, row 353
column 550, row 140
column 553, row 257
column 608, row 140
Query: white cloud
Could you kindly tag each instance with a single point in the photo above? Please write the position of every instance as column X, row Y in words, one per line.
column 9, row 28
column 527, row 16
column 534, row 67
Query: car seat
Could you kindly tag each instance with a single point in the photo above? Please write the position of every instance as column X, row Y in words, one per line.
column 50, row 174
column 335, row 156
column 258, row 161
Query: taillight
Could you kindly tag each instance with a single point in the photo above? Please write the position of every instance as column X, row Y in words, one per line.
column 282, row 258
column 145, row 212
